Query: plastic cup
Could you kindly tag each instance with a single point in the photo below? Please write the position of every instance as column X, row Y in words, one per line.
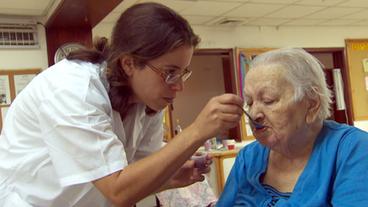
column 231, row 144
column 200, row 161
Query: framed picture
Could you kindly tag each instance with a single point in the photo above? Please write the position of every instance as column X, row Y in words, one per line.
column 4, row 90
column 12, row 82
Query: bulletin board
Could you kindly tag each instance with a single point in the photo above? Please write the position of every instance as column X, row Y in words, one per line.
column 357, row 57
column 11, row 84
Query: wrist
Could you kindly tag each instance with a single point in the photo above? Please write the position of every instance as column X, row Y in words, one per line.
column 165, row 186
column 195, row 134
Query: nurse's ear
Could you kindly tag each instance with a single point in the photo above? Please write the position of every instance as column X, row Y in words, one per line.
column 127, row 64
column 313, row 108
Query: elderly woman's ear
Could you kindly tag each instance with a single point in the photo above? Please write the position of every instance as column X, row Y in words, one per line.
column 313, row 109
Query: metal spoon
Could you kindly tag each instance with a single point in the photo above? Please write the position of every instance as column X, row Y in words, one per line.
column 254, row 123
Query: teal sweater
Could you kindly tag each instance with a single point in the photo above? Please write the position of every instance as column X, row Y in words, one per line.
column 335, row 175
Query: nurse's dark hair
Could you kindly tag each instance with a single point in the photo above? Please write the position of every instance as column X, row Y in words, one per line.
column 144, row 31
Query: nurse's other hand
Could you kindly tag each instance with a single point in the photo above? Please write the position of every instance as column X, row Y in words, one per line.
column 187, row 175
column 219, row 115
column 202, row 162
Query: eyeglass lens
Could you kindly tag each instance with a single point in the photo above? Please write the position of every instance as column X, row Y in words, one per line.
column 174, row 78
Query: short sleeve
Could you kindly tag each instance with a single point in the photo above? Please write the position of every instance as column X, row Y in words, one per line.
column 77, row 129
column 152, row 140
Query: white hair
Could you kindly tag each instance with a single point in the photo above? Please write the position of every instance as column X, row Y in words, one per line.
column 303, row 71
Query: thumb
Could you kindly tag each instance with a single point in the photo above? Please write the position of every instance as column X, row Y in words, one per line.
column 188, row 164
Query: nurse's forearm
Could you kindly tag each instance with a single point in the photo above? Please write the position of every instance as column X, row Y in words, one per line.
column 138, row 180
column 148, row 175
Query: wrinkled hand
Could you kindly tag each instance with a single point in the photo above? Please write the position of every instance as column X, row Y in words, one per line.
column 189, row 174
column 219, row 115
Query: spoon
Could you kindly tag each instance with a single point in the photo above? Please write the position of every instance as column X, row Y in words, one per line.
column 254, row 123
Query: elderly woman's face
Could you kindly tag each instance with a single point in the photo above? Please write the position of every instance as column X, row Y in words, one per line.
column 269, row 97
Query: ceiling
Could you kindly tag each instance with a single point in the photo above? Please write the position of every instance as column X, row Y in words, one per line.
column 276, row 13
column 25, row 7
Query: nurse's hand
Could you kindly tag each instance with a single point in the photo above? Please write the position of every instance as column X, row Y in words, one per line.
column 219, row 115
column 189, row 173
column 202, row 162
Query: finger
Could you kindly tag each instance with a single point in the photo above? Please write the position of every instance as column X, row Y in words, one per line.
column 208, row 159
column 226, row 126
column 209, row 162
column 188, row 164
column 229, row 119
column 198, row 178
column 198, row 154
column 231, row 109
column 204, row 170
column 229, row 98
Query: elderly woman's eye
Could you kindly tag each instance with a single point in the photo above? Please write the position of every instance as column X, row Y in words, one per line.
column 248, row 105
column 268, row 102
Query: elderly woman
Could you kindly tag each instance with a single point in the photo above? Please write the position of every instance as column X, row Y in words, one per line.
column 299, row 158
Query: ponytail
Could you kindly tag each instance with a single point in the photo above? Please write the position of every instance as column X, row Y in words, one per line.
column 97, row 54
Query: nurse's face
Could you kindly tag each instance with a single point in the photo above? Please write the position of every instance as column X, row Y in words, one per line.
column 269, row 97
column 150, row 84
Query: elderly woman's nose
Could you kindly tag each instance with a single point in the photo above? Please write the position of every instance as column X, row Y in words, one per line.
column 256, row 112
column 258, row 118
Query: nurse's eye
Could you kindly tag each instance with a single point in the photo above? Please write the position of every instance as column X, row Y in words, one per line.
column 171, row 71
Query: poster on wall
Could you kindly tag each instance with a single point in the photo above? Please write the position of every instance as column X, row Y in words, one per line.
column 4, row 110
column 21, row 81
column 248, row 128
column 365, row 65
column 365, row 69
column 4, row 90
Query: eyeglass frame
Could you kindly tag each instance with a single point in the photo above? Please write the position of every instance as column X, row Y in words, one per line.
column 183, row 76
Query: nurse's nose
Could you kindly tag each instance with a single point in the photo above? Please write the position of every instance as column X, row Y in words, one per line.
column 178, row 86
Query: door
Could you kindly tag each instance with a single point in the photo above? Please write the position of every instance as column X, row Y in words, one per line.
column 213, row 74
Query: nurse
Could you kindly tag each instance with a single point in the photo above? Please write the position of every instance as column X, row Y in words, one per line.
column 88, row 130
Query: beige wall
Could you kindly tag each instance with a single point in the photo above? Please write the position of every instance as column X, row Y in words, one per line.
column 218, row 37
column 270, row 37
column 250, row 37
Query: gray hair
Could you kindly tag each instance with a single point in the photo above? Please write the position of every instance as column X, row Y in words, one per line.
column 303, row 71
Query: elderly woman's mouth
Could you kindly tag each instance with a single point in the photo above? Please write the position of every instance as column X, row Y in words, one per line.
column 258, row 127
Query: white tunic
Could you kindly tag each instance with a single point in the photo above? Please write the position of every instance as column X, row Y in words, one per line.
column 61, row 133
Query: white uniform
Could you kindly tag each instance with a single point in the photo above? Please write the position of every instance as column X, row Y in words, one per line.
column 61, row 133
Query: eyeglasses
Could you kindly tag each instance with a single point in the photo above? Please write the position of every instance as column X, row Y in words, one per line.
column 171, row 78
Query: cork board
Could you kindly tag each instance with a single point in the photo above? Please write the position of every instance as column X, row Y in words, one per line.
column 11, row 84
column 357, row 51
